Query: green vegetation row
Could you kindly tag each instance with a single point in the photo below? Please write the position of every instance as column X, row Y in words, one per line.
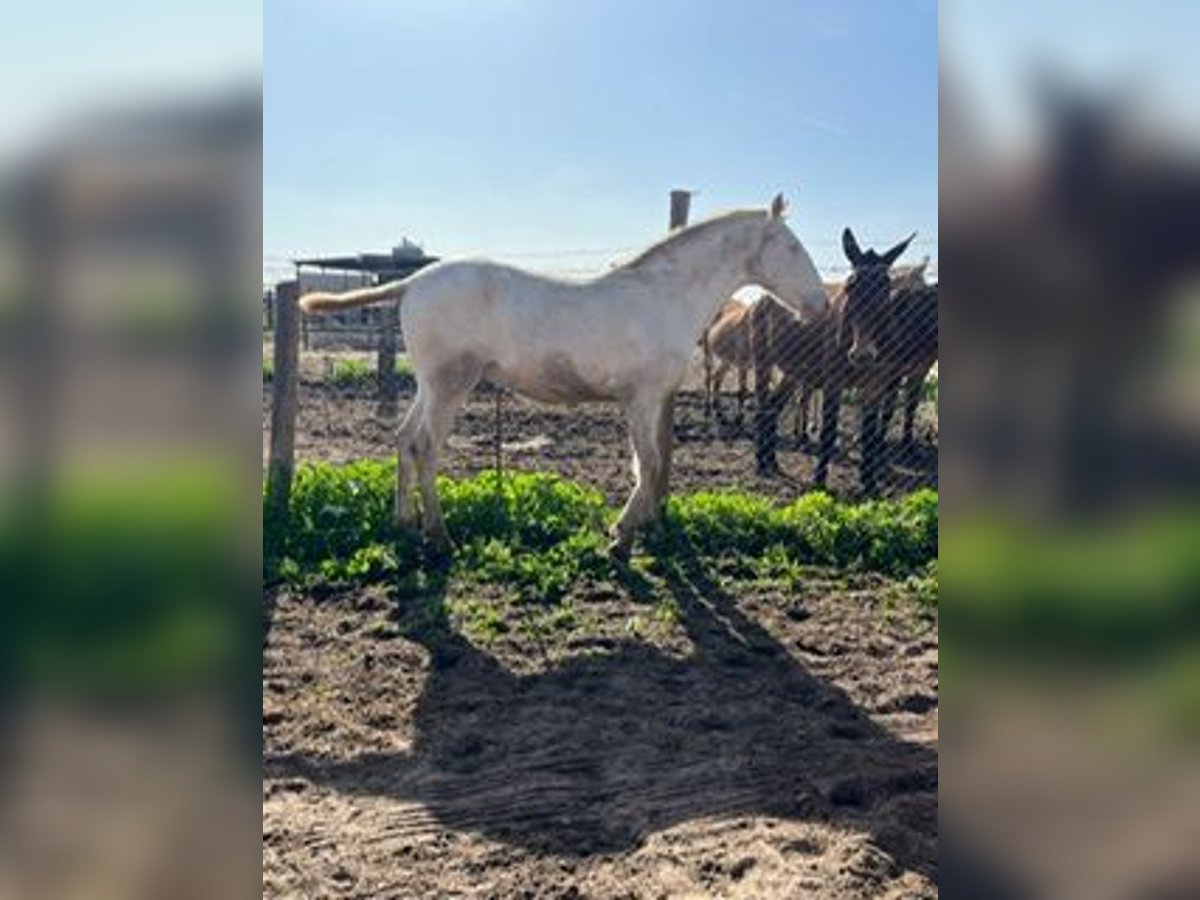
column 539, row 533
column 347, row 373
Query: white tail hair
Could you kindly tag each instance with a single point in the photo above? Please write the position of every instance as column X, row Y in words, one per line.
column 319, row 302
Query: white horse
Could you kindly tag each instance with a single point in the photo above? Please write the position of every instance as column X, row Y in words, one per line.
column 626, row 336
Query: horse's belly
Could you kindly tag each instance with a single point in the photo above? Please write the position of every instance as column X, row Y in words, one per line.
column 555, row 379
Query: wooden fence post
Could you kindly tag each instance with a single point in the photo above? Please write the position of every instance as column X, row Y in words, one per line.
column 389, row 386
column 681, row 202
column 284, row 397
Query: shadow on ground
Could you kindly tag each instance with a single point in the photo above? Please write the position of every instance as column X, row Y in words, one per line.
column 599, row 752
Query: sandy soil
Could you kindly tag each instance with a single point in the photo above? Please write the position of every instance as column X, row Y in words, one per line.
column 765, row 746
column 765, row 743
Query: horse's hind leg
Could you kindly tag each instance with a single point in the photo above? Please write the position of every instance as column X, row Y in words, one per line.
column 708, row 382
column 406, row 512
column 742, row 374
column 446, row 393
column 912, row 399
column 666, row 440
column 718, row 381
column 800, row 422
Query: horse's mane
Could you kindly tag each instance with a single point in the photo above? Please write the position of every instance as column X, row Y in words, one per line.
column 687, row 235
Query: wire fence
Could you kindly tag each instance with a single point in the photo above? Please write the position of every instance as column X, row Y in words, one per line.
column 770, row 403
column 588, row 262
column 361, row 329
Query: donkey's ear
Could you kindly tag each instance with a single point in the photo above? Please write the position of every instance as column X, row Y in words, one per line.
column 778, row 206
column 894, row 254
column 850, row 247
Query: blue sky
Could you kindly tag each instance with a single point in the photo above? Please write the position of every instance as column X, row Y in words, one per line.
column 530, row 130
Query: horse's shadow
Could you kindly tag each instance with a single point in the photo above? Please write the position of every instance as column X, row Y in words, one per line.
column 607, row 748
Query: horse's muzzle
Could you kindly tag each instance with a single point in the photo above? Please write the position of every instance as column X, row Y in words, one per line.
column 863, row 357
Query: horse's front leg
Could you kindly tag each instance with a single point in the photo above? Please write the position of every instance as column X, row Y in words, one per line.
column 650, row 472
column 765, row 424
column 872, row 443
column 831, row 407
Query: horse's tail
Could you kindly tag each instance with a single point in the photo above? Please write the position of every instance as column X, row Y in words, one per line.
column 319, row 302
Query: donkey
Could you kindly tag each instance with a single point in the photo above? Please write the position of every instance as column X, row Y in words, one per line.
column 626, row 337
column 861, row 324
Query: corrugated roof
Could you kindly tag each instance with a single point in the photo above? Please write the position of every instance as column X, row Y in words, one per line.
column 376, row 263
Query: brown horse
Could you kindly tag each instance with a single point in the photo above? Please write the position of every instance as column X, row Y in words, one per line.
column 912, row 349
column 727, row 340
column 763, row 336
column 782, row 341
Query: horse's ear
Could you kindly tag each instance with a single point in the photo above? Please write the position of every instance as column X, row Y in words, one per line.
column 850, row 247
column 778, row 206
column 894, row 254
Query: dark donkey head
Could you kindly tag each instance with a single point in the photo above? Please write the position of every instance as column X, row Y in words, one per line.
column 867, row 308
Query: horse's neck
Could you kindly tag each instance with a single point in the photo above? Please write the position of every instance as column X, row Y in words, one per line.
column 701, row 275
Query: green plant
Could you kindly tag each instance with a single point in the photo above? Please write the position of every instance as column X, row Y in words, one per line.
column 540, row 534
column 351, row 373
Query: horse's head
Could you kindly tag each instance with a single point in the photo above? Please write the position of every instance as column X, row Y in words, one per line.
column 783, row 266
column 867, row 309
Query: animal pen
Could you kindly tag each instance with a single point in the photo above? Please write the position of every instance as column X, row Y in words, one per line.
column 352, row 374
column 749, row 705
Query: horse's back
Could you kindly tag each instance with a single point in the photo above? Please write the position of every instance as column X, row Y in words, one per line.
column 465, row 298
column 546, row 338
column 783, row 340
column 728, row 335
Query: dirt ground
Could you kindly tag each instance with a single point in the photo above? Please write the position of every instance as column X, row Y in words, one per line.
column 589, row 444
column 763, row 743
